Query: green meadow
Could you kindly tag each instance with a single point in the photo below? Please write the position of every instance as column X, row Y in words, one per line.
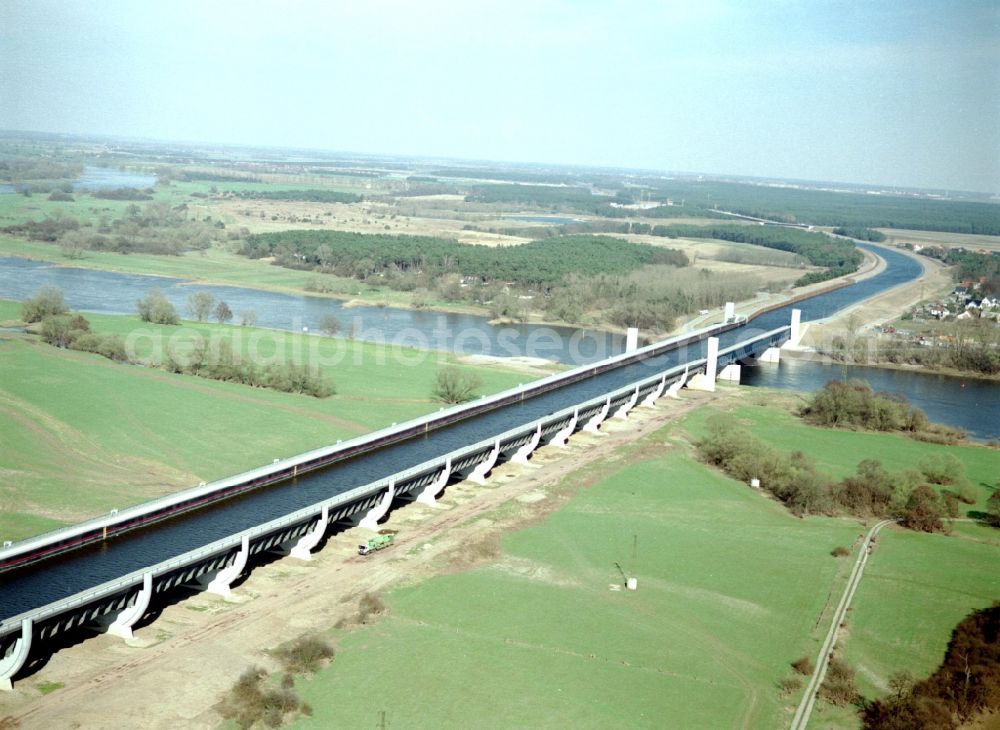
column 19, row 208
column 216, row 265
column 83, row 434
column 838, row 452
column 732, row 589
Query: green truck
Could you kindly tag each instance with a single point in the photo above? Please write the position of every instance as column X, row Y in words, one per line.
column 379, row 542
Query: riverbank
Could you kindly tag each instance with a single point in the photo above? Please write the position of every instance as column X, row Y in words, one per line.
column 767, row 301
column 812, row 355
column 218, row 266
column 885, row 306
column 959, row 402
column 854, row 323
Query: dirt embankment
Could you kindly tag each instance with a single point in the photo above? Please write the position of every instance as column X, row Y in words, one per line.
column 889, row 305
column 178, row 666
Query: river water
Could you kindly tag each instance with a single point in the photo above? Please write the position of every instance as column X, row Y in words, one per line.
column 970, row 403
column 103, row 178
column 974, row 407
column 106, row 292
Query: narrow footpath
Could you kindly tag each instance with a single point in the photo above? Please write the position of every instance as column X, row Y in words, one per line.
column 801, row 719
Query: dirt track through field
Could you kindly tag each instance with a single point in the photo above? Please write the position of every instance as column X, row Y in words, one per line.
column 180, row 665
column 804, row 710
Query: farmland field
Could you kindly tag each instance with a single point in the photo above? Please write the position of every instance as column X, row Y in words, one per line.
column 938, row 238
column 730, row 590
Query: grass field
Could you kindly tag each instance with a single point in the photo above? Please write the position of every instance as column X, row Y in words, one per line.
column 936, row 238
column 18, row 208
column 960, row 572
column 82, row 434
column 732, row 588
column 837, row 452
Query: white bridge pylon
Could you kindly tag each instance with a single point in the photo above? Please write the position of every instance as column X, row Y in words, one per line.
column 731, row 372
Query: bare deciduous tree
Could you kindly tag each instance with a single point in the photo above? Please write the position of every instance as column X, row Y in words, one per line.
column 199, row 305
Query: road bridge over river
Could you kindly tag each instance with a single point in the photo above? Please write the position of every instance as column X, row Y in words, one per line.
column 111, row 571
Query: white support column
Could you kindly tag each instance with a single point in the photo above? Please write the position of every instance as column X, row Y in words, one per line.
column 121, row 624
column 730, row 312
column 522, row 454
column 432, row 490
column 224, row 578
column 706, row 380
column 597, row 419
column 478, row 474
column 559, row 440
column 624, row 408
column 771, row 354
column 676, row 386
column 302, row 549
column 731, row 373
column 655, row 393
column 12, row 663
column 796, row 334
column 376, row 513
column 632, row 339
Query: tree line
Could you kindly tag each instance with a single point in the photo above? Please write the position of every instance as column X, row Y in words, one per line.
column 793, row 479
column 982, row 268
column 969, row 345
column 920, row 498
column 966, row 686
column 704, row 198
column 37, row 169
column 61, row 328
column 543, row 196
column 155, row 228
column 577, row 279
column 860, row 233
column 836, row 208
column 837, row 256
column 307, row 196
column 538, row 263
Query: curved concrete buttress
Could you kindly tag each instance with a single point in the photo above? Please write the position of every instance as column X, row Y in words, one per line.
column 624, row 408
column 597, row 419
column 559, row 440
column 478, row 474
column 521, row 457
column 432, row 490
column 303, row 547
column 376, row 513
column 12, row 663
column 121, row 624
column 220, row 582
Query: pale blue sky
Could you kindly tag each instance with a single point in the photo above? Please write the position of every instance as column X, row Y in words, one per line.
column 899, row 93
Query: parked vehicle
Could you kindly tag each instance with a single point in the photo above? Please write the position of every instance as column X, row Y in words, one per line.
column 379, row 542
